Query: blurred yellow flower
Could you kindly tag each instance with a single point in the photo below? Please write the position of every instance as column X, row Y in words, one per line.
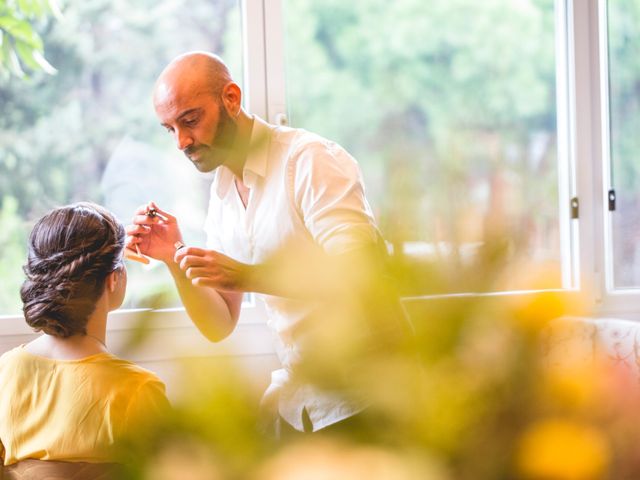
column 533, row 312
column 575, row 385
column 560, row 449
column 326, row 459
column 184, row 460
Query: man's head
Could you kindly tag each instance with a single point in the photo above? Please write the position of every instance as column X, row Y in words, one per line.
column 197, row 101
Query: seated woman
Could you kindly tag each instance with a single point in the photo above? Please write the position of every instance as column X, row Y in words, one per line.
column 64, row 396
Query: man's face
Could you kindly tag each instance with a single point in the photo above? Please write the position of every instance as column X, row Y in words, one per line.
column 199, row 123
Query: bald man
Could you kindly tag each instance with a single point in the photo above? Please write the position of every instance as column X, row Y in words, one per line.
column 276, row 191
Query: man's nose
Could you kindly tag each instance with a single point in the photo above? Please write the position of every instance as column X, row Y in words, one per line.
column 183, row 139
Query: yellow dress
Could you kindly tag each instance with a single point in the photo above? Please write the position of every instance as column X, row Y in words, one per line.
column 72, row 410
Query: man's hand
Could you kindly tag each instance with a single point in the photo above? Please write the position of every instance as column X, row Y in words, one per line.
column 155, row 235
column 208, row 268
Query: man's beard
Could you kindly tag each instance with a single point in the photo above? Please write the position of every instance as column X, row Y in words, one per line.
column 223, row 141
column 226, row 131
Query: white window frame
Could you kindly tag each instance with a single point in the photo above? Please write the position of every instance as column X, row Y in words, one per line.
column 615, row 300
column 586, row 140
column 592, row 152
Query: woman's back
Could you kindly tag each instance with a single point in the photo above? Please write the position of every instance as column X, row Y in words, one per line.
column 64, row 396
column 72, row 410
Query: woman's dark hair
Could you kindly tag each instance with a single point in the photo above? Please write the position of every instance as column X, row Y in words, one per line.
column 72, row 249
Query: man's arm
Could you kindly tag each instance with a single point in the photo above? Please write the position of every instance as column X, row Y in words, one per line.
column 214, row 313
column 295, row 271
column 357, row 285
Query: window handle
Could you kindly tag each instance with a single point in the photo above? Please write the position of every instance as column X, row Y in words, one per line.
column 575, row 208
column 611, row 198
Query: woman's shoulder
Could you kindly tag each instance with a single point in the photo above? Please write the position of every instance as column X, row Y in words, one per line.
column 11, row 357
column 102, row 370
column 10, row 354
column 111, row 365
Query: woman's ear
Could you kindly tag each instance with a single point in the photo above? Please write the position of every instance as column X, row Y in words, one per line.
column 112, row 280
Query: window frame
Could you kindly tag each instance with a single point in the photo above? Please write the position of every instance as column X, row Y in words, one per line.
column 592, row 143
column 614, row 299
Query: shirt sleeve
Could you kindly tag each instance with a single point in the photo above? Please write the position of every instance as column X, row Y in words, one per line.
column 328, row 192
column 148, row 405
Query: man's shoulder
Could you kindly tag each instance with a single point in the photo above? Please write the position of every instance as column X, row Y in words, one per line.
column 298, row 140
column 310, row 152
column 301, row 141
column 304, row 153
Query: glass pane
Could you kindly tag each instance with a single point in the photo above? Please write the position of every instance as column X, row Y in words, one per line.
column 624, row 104
column 450, row 108
column 89, row 132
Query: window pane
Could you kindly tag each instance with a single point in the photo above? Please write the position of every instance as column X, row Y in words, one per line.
column 450, row 108
column 624, row 104
column 89, row 132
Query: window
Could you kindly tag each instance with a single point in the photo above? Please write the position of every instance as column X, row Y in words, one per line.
column 451, row 108
column 89, row 132
column 623, row 35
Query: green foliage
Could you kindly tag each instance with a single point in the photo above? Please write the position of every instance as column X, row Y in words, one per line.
column 58, row 133
column 13, row 239
column 20, row 43
column 464, row 398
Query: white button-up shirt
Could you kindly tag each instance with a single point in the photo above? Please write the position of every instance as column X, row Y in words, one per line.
column 302, row 187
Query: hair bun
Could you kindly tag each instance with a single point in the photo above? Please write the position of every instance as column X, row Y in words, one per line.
column 71, row 251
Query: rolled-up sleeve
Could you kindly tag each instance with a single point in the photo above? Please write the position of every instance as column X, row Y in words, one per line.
column 328, row 192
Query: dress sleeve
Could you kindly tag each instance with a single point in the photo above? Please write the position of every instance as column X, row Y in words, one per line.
column 328, row 193
column 148, row 405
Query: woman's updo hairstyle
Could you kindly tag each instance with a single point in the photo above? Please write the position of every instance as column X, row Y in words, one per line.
column 72, row 249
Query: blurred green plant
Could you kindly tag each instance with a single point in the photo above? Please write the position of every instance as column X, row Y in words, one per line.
column 21, row 45
column 472, row 395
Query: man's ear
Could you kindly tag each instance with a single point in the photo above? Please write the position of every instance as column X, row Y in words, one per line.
column 232, row 98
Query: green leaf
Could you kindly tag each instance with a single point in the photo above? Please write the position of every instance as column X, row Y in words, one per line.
column 43, row 63
column 21, row 30
column 30, row 8
column 25, row 52
column 12, row 59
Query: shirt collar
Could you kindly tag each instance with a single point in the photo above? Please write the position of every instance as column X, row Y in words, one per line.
column 255, row 166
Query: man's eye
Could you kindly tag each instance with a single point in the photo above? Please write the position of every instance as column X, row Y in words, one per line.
column 169, row 129
column 190, row 122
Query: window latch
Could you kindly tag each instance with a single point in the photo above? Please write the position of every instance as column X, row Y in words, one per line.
column 611, row 199
column 575, row 208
